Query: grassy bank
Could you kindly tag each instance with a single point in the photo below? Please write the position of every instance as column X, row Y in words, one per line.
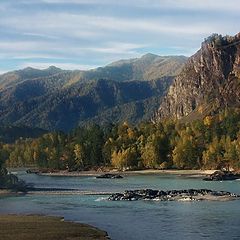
column 14, row 227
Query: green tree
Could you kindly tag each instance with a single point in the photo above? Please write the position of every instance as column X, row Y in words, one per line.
column 156, row 151
column 213, row 156
column 185, row 154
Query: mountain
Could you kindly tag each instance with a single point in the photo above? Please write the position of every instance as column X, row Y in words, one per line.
column 148, row 67
column 56, row 99
column 65, row 108
column 209, row 82
column 12, row 78
column 132, row 112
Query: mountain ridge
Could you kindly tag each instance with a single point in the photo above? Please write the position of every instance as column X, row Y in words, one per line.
column 56, row 99
column 122, row 70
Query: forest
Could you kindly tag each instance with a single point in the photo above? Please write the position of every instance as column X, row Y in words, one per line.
column 211, row 143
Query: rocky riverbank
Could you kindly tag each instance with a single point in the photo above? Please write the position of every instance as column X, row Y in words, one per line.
column 174, row 195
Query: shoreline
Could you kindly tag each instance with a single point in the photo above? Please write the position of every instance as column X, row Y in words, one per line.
column 190, row 173
column 5, row 192
column 47, row 227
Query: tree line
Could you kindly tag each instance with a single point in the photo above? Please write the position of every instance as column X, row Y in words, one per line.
column 211, row 143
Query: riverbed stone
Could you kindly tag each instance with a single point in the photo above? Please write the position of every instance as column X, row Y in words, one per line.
column 172, row 195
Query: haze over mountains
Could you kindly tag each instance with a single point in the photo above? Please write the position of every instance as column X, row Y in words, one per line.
column 55, row 99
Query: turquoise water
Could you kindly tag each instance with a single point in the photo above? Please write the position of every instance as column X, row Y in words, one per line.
column 140, row 220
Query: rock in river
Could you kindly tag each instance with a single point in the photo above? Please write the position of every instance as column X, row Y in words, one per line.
column 173, row 195
column 110, row 176
column 222, row 176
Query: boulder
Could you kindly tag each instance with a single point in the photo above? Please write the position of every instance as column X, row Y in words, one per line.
column 35, row 171
column 110, row 176
column 222, row 176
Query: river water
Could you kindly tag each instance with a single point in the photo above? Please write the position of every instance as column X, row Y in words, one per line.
column 139, row 220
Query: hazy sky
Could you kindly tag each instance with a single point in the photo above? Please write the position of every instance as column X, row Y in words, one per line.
column 83, row 34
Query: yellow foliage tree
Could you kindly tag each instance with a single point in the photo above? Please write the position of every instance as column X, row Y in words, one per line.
column 208, row 120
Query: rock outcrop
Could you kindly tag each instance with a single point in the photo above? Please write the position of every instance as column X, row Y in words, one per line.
column 174, row 195
column 209, row 81
column 222, row 176
column 110, row 176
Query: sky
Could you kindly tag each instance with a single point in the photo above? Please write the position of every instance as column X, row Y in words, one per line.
column 84, row 34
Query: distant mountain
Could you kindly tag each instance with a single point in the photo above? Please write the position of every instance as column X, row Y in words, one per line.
column 55, row 99
column 209, row 82
column 11, row 78
column 148, row 67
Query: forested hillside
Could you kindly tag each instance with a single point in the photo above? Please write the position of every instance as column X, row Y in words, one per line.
column 13, row 133
column 64, row 109
column 212, row 143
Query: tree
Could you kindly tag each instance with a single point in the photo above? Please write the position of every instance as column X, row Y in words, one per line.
column 185, row 154
column 3, row 154
column 155, row 152
column 213, row 155
column 125, row 159
column 79, row 156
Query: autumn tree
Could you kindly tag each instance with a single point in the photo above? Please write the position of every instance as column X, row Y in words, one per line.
column 185, row 154
column 79, row 156
column 155, row 152
column 125, row 159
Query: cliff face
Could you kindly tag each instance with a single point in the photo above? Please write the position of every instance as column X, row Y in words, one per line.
column 209, row 81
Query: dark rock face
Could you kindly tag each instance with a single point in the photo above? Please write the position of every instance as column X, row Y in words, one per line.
column 222, row 176
column 171, row 195
column 209, row 81
column 110, row 176
column 35, row 171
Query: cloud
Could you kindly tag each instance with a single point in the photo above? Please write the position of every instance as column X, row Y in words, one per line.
column 155, row 26
column 191, row 4
column 115, row 48
column 96, row 32
column 212, row 5
column 86, row 26
column 3, row 71
column 37, row 56
column 39, row 35
column 61, row 24
column 18, row 46
column 26, row 48
column 77, row 1
column 66, row 66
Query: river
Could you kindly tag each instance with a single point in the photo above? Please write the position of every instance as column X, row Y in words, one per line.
column 138, row 220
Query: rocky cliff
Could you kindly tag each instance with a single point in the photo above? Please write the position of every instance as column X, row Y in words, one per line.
column 209, row 81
